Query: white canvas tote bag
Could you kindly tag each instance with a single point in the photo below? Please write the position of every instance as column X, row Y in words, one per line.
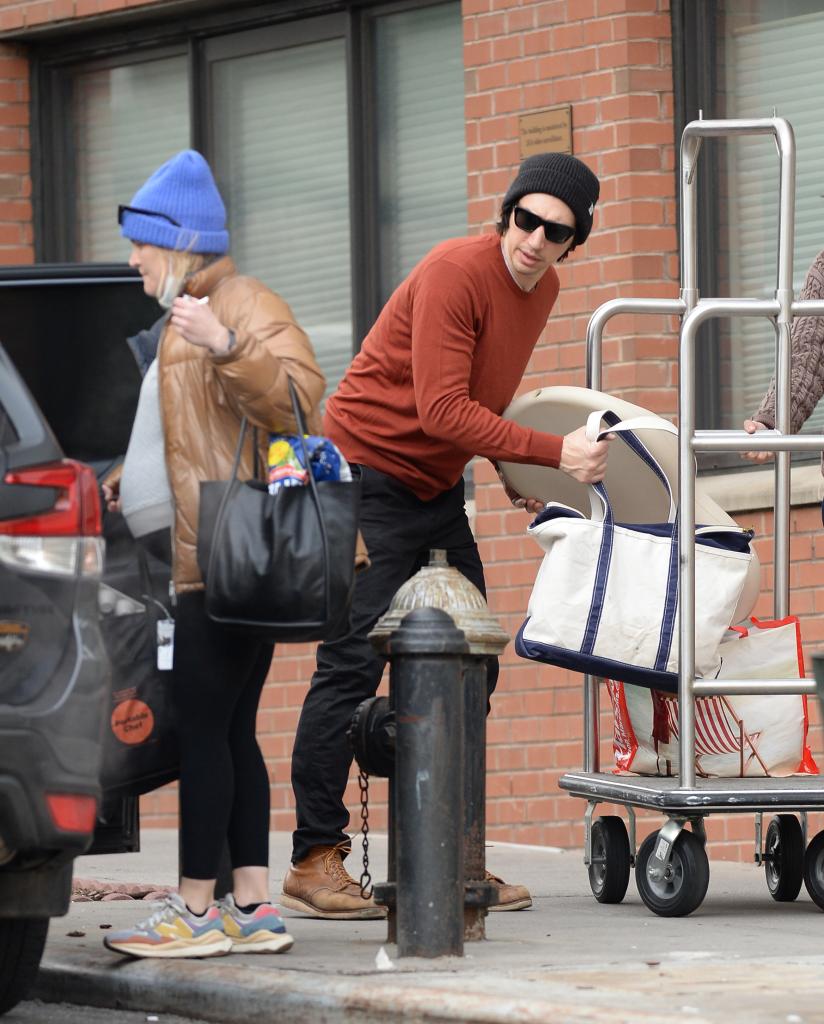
column 605, row 599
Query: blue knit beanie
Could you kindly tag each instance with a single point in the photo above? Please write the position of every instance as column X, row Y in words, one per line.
column 182, row 208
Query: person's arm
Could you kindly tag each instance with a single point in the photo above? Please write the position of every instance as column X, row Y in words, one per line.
column 807, row 369
column 255, row 346
column 807, row 375
column 443, row 344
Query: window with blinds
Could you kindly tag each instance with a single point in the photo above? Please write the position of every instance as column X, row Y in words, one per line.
column 772, row 58
column 282, row 159
column 126, row 121
column 278, row 109
column 421, row 158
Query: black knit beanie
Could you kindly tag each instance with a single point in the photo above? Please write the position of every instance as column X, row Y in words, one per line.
column 563, row 176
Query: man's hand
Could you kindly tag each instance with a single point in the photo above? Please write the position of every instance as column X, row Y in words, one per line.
column 197, row 324
column 752, row 427
column 531, row 505
column 583, row 460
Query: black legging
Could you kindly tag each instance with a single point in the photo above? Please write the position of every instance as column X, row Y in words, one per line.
column 217, row 680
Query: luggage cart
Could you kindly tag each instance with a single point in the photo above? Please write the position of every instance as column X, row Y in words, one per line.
column 671, row 865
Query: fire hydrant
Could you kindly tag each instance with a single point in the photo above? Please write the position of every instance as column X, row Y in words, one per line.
column 377, row 727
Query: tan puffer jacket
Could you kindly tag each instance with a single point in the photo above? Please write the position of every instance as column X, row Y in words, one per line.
column 203, row 397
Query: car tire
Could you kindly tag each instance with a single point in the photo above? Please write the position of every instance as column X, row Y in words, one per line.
column 22, row 941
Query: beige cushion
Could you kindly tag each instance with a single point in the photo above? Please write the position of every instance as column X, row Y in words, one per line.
column 635, row 492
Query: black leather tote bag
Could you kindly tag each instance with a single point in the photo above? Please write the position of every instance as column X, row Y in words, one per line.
column 280, row 565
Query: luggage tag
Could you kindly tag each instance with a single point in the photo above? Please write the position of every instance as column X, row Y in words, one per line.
column 165, row 636
column 165, row 644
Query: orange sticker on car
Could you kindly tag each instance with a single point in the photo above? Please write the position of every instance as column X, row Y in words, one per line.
column 13, row 636
column 132, row 722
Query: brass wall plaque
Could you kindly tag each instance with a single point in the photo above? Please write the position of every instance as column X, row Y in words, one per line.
column 546, row 131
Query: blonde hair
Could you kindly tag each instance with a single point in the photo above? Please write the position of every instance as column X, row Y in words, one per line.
column 180, row 266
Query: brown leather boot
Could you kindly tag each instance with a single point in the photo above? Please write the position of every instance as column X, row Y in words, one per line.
column 510, row 897
column 319, row 885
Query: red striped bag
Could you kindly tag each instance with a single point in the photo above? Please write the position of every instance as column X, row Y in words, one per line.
column 734, row 736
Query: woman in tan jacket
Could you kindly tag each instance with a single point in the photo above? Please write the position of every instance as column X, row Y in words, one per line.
column 227, row 350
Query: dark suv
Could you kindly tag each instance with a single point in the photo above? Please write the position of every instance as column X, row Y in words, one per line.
column 53, row 677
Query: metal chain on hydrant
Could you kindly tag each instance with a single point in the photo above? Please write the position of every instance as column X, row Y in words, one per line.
column 365, row 878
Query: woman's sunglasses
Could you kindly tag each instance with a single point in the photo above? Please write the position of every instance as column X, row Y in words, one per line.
column 554, row 232
column 121, row 210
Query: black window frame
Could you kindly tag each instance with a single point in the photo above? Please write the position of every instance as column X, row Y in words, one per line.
column 189, row 27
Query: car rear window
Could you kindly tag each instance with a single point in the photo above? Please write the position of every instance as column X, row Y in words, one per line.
column 8, row 435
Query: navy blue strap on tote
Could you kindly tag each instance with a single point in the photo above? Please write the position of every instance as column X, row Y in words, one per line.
column 608, row 539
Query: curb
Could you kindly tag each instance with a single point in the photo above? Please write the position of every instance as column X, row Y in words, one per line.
column 220, row 993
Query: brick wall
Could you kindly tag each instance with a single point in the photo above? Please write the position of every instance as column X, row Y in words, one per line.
column 17, row 14
column 15, row 181
column 16, row 236
column 611, row 60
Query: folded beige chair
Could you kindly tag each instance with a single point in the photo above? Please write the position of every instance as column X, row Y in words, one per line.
column 635, row 493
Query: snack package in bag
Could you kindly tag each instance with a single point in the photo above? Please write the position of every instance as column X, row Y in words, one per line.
column 286, row 463
column 742, row 735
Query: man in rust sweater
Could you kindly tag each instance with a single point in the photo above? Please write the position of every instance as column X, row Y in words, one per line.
column 423, row 396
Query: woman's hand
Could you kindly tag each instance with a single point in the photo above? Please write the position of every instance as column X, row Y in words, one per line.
column 752, row 427
column 197, row 324
column 111, row 495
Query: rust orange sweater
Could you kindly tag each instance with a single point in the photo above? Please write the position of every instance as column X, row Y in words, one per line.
column 440, row 365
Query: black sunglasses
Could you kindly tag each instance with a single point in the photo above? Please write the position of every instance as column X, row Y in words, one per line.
column 146, row 213
column 554, row 232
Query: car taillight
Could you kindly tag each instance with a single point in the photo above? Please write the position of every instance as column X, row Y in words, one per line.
column 65, row 539
column 72, row 812
column 76, row 510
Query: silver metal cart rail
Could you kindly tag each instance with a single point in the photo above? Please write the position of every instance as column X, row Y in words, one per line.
column 671, row 866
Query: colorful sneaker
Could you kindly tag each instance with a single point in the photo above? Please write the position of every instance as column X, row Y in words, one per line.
column 173, row 931
column 262, row 931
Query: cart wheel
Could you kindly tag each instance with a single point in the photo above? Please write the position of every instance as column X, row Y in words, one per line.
column 609, row 868
column 814, row 870
column 684, row 885
column 784, row 858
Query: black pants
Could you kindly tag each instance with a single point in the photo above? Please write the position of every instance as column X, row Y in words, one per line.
column 217, row 680
column 399, row 529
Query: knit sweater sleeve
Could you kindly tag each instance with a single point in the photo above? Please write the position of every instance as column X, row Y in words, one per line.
column 807, row 373
column 443, row 341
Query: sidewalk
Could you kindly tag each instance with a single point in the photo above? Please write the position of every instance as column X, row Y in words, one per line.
column 739, row 957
